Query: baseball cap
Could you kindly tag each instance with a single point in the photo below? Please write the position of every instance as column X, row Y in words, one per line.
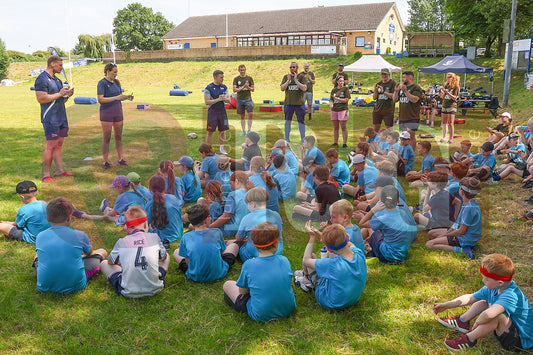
column 275, row 151
column 254, row 137
column 385, row 71
column 134, row 177
column 358, row 158
column 120, row 180
column 308, row 160
column 382, row 181
column 405, row 135
column 506, row 114
column 488, row 146
column 25, row 187
column 280, row 143
column 341, row 65
column 185, row 161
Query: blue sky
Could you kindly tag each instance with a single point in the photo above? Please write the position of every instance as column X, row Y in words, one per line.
column 31, row 25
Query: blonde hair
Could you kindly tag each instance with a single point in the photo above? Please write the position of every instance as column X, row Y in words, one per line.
column 342, row 207
column 454, row 80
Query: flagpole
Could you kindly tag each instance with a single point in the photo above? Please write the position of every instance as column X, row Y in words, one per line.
column 68, row 34
column 113, row 48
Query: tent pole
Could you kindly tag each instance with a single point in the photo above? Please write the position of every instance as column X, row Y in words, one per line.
column 417, row 75
column 464, row 83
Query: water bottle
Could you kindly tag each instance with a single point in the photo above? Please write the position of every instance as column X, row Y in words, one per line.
column 65, row 86
column 323, row 253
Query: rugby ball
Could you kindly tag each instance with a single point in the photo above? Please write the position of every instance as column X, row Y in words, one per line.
column 192, row 135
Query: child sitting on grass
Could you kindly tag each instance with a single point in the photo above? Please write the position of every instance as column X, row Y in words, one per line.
column 203, row 255
column 65, row 258
column 339, row 279
column 405, row 152
column 207, row 168
column 500, row 306
column 138, row 263
column 127, row 196
column 340, row 173
column 223, row 163
column 341, row 213
column 285, row 180
column 482, row 164
column 365, row 177
column 263, row 290
column 466, row 231
column 190, row 182
column 463, row 153
column 308, row 148
column 172, row 182
column 423, row 149
column 308, row 186
column 31, row 217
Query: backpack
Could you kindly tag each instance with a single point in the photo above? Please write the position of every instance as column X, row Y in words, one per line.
column 493, row 104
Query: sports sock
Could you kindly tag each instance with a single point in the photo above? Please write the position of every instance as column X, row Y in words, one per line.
column 457, row 249
column 461, row 319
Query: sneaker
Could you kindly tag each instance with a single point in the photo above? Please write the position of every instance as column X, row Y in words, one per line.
column 455, row 323
column 303, row 282
column 496, row 177
column 64, row 173
column 103, row 205
column 459, row 343
column 243, row 134
column 166, row 244
column 528, row 201
column 334, row 145
column 48, row 179
column 525, row 217
column 299, row 273
column 106, row 165
column 468, row 252
column 122, row 162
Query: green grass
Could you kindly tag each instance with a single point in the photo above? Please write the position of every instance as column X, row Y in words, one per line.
column 394, row 314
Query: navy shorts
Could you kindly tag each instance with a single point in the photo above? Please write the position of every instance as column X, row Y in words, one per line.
column 453, row 241
column 375, row 241
column 217, row 118
column 290, row 110
column 116, row 280
column 15, row 233
column 55, row 130
column 240, row 302
column 510, row 340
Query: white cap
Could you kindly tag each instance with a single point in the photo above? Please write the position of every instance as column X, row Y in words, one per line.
column 358, row 158
column 405, row 135
column 506, row 114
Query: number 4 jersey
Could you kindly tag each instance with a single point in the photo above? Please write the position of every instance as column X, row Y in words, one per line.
column 139, row 255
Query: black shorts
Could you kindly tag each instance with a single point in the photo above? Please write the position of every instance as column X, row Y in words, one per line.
column 453, row 241
column 377, row 118
column 411, row 124
column 217, row 119
column 240, row 302
column 15, row 233
column 228, row 258
column 510, row 340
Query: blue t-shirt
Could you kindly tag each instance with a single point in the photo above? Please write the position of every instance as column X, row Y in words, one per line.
column 527, row 132
column 272, row 203
column 343, row 280
column 216, row 209
column 269, row 281
column 223, row 178
column 442, row 213
column 109, row 89
column 174, row 229
column 292, row 162
column 453, row 188
column 366, row 177
column 286, row 185
column 32, row 218
column 235, row 205
column 397, row 231
column 53, row 111
column 178, row 189
column 407, row 152
column 399, row 187
column 341, row 172
column 517, row 308
column 317, row 154
column 192, row 192
column 213, row 91
column 127, row 199
column 209, row 166
column 427, row 163
column 250, row 221
column 60, row 265
column 375, row 139
column 310, row 183
column 480, row 160
column 203, row 249
column 515, row 157
column 470, row 216
column 354, row 232
column 145, row 192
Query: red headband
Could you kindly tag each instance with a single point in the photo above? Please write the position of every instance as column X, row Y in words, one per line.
column 136, row 222
column 265, row 245
column 494, row 276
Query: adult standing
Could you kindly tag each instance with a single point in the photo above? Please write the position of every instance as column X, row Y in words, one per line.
column 215, row 95
column 340, row 72
column 338, row 103
column 52, row 96
column 409, row 94
column 449, row 94
column 384, row 96
column 308, row 94
column 110, row 97
column 294, row 85
column 243, row 85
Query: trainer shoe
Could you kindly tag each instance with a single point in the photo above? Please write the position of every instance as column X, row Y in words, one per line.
column 298, row 273
column 344, row 146
column 468, row 252
column 243, row 133
column 106, row 165
column 223, row 151
column 122, row 162
column 334, row 145
column 455, row 323
column 525, row 217
column 460, row 343
column 303, row 282
column 103, row 205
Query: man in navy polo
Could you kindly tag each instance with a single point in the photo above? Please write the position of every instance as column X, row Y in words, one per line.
column 52, row 96
column 215, row 95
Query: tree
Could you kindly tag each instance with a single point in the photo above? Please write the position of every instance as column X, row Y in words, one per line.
column 137, row 27
column 4, row 60
column 91, row 46
column 427, row 15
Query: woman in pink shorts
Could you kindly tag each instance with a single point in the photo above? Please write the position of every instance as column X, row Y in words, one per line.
column 340, row 96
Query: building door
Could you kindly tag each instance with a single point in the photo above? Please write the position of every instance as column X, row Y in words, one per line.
column 343, row 46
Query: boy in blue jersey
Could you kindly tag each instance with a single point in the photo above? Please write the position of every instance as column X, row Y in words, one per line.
column 466, row 231
column 308, row 186
column 340, row 173
column 423, row 149
column 515, row 161
column 65, row 258
column 500, row 306
column 405, row 152
column 263, row 290
column 339, row 279
column 482, row 164
column 203, row 254
column 308, row 149
column 31, row 217
column 341, row 213
column 285, row 180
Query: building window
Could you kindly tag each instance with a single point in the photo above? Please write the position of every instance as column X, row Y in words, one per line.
column 359, row 41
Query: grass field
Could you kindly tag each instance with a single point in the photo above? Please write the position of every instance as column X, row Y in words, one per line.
column 394, row 314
